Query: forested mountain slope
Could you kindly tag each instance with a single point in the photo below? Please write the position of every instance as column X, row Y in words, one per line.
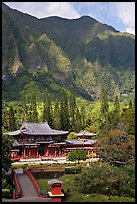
column 55, row 52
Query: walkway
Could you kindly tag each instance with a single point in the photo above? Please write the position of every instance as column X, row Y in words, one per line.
column 29, row 194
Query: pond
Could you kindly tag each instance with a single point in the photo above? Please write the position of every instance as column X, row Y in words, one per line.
column 47, row 173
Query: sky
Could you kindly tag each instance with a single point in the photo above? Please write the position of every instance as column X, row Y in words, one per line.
column 120, row 15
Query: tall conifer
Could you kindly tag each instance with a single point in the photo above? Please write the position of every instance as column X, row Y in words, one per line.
column 56, row 116
column 12, row 124
column 65, row 120
column 34, row 115
column 47, row 110
column 104, row 110
column 72, row 108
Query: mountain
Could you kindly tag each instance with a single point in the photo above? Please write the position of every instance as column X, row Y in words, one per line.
column 54, row 52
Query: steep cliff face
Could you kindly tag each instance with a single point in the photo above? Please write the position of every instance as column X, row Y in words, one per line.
column 81, row 52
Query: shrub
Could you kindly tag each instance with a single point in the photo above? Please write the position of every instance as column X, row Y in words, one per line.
column 5, row 193
column 102, row 178
column 4, row 183
column 73, row 170
column 77, row 155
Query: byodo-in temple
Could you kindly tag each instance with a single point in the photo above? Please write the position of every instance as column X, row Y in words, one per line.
column 38, row 140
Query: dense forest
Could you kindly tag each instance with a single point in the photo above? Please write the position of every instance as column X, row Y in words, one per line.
column 113, row 122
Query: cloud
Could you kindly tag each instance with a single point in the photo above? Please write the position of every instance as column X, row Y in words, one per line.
column 45, row 9
column 126, row 12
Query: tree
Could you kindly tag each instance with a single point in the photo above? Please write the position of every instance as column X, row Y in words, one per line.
column 25, row 109
column 64, row 111
column 116, row 147
column 77, row 155
column 56, row 116
column 104, row 110
column 5, row 115
column 72, row 107
column 34, row 116
column 12, row 124
column 78, row 120
column 128, row 119
column 47, row 110
column 83, row 119
column 71, row 136
column 103, row 178
column 116, row 112
column 6, row 148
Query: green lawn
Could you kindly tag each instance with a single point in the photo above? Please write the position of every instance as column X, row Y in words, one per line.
column 72, row 195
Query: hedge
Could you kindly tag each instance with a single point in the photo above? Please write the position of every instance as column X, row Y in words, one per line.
column 73, row 170
column 5, row 193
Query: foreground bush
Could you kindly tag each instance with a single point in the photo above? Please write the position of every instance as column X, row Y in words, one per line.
column 80, row 197
column 102, row 178
column 5, row 193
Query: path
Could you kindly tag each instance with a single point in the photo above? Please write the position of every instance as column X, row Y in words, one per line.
column 29, row 194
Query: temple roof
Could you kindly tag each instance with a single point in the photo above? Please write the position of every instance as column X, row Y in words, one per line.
column 74, row 141
column 54, row 181
column 85, row 134
column 15, row 143
column 37, row 129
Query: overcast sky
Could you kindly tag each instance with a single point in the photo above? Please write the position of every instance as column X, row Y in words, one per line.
column 120, row 15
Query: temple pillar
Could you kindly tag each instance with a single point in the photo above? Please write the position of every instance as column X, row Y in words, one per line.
column 92, row 154
column 47, row 152
column 24, row 153
column 37, row 152
column 29, row 152
column 55, row 153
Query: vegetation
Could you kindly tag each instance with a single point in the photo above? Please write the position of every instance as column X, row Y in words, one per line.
column 7, row 185
column 49, row 54
column 99, row 183
column 51, row 76
column 77, row 155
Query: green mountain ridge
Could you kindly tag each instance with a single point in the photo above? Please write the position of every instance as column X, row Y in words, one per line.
column 55, row 52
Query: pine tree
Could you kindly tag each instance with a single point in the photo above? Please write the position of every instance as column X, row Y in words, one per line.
column 128, row 118
column 56, row 116
column 72, row 108
column 130, row 104
column 78, row 120
column 34, row 115
column 25, row 109
column 104, row 110
column 12, row 124
column 116, row 112
column 65, row 120
column 47, row 110
column 5, row 115
column 83, row 119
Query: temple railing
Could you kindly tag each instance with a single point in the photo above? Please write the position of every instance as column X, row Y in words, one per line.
column 39, row 191
column 17, row 193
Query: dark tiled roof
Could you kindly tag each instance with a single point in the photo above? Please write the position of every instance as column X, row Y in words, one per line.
column 90, row 142
column 15, row 143
column 37, row 129
column 53, row 181
column 17, row 132
column 85, row 134
column 74, row 141
column 41, row 128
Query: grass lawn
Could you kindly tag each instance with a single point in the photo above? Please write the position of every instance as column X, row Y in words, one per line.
column 72, row 195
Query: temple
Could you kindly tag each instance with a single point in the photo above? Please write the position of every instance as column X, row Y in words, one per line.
column 38, row 140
